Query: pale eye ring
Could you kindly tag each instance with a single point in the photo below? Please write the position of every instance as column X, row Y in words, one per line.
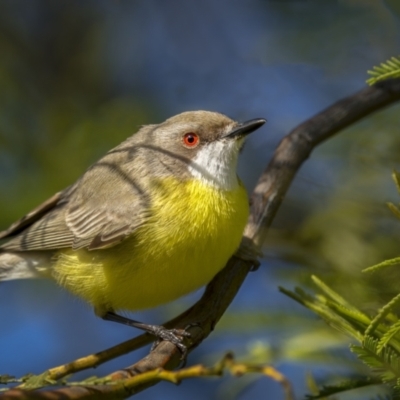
column 190, row 140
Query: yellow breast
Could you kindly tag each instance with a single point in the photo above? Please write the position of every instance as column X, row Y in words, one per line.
column 193, row 229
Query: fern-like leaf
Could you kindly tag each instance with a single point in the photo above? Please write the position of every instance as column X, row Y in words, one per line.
column 386, row 263
column 383, row 312
column 344, row 386
column 357, row 319
column 386, row 363
column 388, row 336
column 334, row 314
column 332, row 294
column 386, row 70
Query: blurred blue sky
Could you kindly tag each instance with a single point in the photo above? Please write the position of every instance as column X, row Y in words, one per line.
column 281, row 60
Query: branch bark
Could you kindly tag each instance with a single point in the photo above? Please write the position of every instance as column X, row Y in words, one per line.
column 268, row 194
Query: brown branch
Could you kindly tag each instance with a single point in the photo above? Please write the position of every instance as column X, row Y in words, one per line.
column 270, row 190
column 296, row 147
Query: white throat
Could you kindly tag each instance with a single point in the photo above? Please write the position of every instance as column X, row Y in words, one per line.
column 216, row 162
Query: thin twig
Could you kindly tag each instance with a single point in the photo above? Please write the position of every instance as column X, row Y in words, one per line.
column 123, row 388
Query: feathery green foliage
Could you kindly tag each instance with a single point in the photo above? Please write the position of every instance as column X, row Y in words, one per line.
column 385, row 364
column 386, row 263
column 379, row 350
column 377, row 334
column 390, row 334
column 344, row 386
column 386, row 70
column 396, row 211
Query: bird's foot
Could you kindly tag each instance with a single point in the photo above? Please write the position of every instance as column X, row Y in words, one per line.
column 175, row 336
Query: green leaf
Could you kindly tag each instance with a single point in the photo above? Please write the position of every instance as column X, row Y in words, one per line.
column 384, row 363
column 386, row 263
column 327, row 310
column 387, row 337
column 342, row 387
column 351, row 315
column 332, row 294
column 383, row 312
column 386, row 70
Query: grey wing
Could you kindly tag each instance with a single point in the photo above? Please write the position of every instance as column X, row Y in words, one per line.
column 30, row 232
column 98, row 212
column 33, row 216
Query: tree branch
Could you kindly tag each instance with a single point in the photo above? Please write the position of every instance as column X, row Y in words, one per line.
column 270, row 190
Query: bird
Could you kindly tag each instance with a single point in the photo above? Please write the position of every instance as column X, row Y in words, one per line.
column 156, row 218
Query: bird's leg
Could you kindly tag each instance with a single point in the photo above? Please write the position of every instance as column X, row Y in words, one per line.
column 174, row 336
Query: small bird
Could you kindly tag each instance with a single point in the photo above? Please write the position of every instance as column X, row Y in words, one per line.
column 154, row 219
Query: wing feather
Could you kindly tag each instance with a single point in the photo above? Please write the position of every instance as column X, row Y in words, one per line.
column 99, row 211
column 33, row 216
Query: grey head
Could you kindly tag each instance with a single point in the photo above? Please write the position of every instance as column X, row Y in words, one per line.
column 199, row 144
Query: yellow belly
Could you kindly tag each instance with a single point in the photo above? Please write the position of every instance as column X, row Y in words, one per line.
column 192, row 231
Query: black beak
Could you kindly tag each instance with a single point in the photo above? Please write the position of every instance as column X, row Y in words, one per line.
column 247, row 127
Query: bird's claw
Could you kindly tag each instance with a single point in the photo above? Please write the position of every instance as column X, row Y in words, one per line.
column 175, row 336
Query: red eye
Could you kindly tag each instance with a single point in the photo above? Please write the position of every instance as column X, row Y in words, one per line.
column 190, row 139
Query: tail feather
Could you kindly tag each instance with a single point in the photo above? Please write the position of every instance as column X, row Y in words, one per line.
column 24, row 265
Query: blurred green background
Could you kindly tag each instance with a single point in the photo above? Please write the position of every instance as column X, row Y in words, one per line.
column 78, row 77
